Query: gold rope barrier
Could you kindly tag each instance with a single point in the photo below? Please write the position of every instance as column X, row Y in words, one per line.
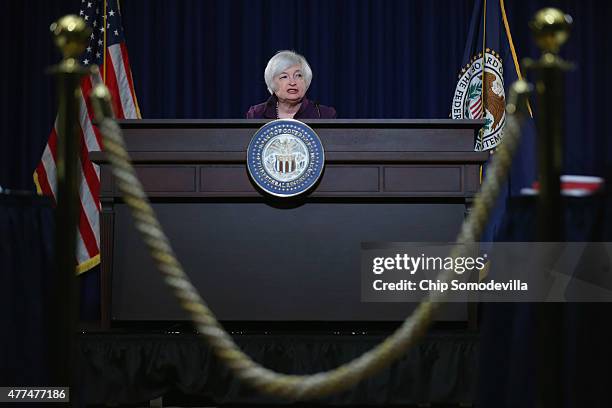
column 296, row 387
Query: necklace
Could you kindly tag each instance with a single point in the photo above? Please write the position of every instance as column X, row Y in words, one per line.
column 277, row 114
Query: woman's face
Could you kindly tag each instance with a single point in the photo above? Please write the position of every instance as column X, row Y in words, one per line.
column 290, row 84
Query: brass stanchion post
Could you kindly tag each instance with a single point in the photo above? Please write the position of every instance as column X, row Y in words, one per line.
column 70, row 35
column 551, row 29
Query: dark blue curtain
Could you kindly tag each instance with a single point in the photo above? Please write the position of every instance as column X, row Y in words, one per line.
column 371, row 59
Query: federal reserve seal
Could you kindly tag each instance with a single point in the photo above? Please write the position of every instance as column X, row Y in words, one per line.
column 469, row 102
column 285, row 157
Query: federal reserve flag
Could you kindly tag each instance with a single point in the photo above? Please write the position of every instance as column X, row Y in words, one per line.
column 489, row 65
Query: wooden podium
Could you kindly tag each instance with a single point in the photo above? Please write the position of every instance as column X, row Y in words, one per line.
column 259, row 258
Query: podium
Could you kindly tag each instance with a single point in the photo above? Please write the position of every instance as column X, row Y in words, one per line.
column 260, row 258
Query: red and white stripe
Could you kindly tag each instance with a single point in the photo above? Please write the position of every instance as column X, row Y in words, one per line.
column 119, row 81
column 476, row 109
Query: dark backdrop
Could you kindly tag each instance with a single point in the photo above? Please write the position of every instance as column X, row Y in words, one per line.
column 371, row 59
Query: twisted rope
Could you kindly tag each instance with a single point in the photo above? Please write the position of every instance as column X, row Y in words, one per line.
column 295, row 387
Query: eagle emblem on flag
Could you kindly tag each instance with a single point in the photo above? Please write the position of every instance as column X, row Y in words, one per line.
column 479, row 94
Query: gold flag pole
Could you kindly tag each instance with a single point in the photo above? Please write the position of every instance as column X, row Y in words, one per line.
column 482, row 87
column 104, row 45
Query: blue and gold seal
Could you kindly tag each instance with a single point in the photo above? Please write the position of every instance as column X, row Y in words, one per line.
column 285, row 157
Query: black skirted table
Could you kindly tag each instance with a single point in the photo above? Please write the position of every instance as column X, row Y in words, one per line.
column 26, row 254
column 27, row 228
column 508, row 342
column 135, row 367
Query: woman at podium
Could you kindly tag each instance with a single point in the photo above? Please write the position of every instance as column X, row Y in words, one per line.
column 288, row 77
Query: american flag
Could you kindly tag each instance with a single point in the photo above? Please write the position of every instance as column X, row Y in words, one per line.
column 107, row 49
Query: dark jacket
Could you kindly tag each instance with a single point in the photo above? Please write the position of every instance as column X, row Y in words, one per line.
column 308, row 110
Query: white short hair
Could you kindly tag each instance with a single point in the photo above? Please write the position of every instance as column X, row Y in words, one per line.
column 280, row 62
